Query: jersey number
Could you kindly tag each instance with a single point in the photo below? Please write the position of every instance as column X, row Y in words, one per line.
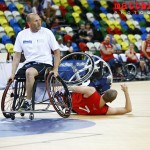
column 85, row 109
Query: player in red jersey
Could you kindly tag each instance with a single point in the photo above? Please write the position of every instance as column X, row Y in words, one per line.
column 107, row 54
column 87, row 101
column 146, row 47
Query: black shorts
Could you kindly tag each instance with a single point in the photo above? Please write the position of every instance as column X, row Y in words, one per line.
column 40, row 67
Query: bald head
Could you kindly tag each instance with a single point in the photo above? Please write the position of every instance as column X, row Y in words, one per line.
column 110, row 95
column 34, row 22
column 30, row 17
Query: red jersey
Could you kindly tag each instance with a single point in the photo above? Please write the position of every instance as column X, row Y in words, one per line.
column 147, row 49
column 88, row 106
column 132, row 60
column 106, row 57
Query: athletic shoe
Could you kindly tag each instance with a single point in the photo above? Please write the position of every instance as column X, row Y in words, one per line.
column 26, row 106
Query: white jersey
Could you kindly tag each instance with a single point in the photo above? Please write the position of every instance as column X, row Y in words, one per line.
column 36, row 46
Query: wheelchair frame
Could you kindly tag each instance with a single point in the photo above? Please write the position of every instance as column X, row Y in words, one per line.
column 18, row 93
column 92, row 68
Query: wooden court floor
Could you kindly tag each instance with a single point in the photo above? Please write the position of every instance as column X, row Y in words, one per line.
column 50, row 132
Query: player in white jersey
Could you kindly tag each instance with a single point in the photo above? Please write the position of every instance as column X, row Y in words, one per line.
column 37, row 44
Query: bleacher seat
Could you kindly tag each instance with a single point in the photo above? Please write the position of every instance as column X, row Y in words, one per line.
column 83, row 47
column 17, row 29
column 6, row 39
column 75, row 47
column 7, row 2
column 4, row 22
column 132, row 38
column 110, row 16
column 84, row 3
column 69, row 31
column 91, row 3
column 3, row 7
column 97, row 45
column 91, row 47
column 2, row 15
column 9, row 30
column 9, row 48
column 90, row 16
column 58, row 12
column 77, row 9
column 2, row 32
column 71, row 2
column 16, row 15
column 2, row 49
column 21, row 23
column 20, row 7
column 103, row 16
column 124, row 46
column 12, row 7
column 13, row 22
column 76, row 17
column 8, row 15
column 96, row 24
column 15, row 1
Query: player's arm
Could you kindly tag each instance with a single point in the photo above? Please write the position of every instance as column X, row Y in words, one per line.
column 56, row 61
column 85, row 90
column 103, row 49
column 144, row 49
column 15, row 63
column 122, row 110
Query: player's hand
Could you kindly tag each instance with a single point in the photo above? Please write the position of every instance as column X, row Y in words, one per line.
column 55, row 71
column 11, row 78
column 124, row 87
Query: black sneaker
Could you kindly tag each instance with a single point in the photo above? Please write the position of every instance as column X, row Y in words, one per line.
column 25, row 106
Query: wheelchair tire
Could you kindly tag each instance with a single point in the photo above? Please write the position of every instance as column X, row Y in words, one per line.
column 19, row 95
column 7, row 99
column 75, row 68
column 59, row 95
column 130, row 71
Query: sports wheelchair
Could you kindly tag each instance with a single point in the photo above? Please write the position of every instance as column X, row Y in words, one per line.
column 55, row 93
column 81, row 68
column 77, row 68
column 123, row 71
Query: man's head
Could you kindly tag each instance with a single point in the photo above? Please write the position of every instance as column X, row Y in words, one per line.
column 110, row 95
column 131, row 46
column 34, row 22
column 107, row 39
column 148, row 37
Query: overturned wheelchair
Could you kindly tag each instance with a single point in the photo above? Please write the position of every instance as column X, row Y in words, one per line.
column 75, row 69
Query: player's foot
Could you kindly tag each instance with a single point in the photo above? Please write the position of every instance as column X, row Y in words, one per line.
column 26, row 106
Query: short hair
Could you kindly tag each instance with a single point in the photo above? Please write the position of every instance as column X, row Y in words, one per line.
column 110, row 95
column 29, row 16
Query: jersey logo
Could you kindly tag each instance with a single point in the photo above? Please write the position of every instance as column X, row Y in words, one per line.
column 85, row 109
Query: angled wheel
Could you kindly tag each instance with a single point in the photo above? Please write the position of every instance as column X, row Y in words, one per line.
column 12, row 98
column 130, row 71
column 19, row 94
column 103, row 68
column 76, row 68
column 7, row 99
column 59, row 95
column 102, row 77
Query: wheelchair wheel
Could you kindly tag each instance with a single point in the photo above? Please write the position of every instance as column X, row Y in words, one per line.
column 19, row 94
column 7, row 99
column 76, row 68
column 100, row 64
column 130, row 71
column 59, row 95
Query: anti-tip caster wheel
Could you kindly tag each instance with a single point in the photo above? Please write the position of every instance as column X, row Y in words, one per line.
column 31, row 116
column 12, row 117
column 22, row 114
